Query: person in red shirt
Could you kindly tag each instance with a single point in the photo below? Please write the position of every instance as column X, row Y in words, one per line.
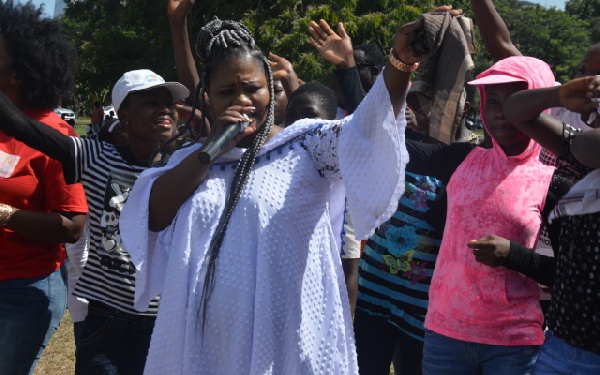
column 38, row 210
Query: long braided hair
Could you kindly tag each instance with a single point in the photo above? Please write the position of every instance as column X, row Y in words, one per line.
column 217, row 40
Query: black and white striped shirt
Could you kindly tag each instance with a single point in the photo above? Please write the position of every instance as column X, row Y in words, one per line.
column 107, row 175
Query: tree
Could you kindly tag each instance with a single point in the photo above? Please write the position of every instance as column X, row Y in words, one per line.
column 548, row 34
column 588, row 10
column 114, row 36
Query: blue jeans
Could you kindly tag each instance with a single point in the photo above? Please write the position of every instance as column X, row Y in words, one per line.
column 113, row 342
column 443, row 355
column 30, row 313
column 558, row 357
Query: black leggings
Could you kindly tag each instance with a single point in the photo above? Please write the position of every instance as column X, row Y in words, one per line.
column 379, row 343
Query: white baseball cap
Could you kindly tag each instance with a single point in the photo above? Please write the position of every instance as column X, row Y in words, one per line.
column 144, row 79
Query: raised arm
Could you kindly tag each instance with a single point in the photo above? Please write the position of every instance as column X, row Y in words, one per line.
column 283, row 71
column 337, row 49
column 524, row 109
column 494, row 32
column 177, row 11
column 396, row 77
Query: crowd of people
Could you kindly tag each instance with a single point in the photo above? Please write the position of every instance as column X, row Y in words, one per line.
column 245, row 221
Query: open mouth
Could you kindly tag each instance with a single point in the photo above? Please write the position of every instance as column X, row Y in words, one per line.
column 165, row 123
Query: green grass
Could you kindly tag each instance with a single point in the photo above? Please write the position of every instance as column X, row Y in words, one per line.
column 81, row 125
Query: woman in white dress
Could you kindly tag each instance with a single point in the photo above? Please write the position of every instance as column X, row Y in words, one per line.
column 241, row 250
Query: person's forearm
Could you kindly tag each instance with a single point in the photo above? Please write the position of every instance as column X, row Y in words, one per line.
column 524, row 109
column 290, row 84
column 184, row 58
column 349, row 83
column 34, row 134
column 586, row 148
column 47, row 227
column 172, row 189
column 540, row 268
column 396, row 82
column 493, row 30
column 351, row 267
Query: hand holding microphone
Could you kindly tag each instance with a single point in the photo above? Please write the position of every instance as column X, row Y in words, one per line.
column 213, row 148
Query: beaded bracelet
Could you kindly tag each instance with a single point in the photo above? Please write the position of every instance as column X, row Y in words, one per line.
column 569, row 134
column 6, row 213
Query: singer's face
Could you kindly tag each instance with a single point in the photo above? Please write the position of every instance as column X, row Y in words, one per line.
column 240, row 80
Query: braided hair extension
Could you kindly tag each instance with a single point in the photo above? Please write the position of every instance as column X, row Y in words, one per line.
column 216, row 40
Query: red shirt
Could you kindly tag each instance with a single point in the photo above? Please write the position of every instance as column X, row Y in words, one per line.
column 29, row 180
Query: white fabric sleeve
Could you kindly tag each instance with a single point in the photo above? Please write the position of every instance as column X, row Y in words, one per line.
column 78, row 251
column 147, row 253
column 372, row 158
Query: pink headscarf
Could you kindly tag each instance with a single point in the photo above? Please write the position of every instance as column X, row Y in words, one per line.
column 491, row 193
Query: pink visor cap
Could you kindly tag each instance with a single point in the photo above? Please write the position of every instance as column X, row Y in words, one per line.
column 495, row 79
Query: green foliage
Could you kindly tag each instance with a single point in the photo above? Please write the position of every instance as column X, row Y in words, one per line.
column 114, row 36
column 548, row 34
column 588, row 10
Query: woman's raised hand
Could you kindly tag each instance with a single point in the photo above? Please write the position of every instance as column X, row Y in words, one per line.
column 333, row 47
column 401, row 44
column 179, row 8
column 283, row 71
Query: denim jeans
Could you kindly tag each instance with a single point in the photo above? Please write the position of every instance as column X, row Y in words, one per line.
column 443, row 355
column 379, row 343
column 113, row 342
column 558, row 357
column 30, row 312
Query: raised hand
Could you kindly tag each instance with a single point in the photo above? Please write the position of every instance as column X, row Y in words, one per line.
column 490, row 250
column 581, row 94
column 283, row 71
column 333, row 47
column 179, row 8
column 401, row 44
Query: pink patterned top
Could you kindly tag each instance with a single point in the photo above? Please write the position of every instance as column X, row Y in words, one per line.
column 491, row 193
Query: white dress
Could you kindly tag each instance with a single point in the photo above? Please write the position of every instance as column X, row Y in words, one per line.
column 279, row 304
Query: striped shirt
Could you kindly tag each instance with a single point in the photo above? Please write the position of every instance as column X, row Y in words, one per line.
column 107, row 175
column 398, row 260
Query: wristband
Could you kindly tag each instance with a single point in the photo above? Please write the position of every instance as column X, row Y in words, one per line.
column 569, row 133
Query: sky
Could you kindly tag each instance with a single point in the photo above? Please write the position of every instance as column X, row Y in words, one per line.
column 559, row 4
column 49, row 5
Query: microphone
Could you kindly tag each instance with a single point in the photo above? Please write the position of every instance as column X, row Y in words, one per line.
column 212, row 148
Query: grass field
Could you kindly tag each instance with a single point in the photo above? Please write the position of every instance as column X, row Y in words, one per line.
column 59, row 356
